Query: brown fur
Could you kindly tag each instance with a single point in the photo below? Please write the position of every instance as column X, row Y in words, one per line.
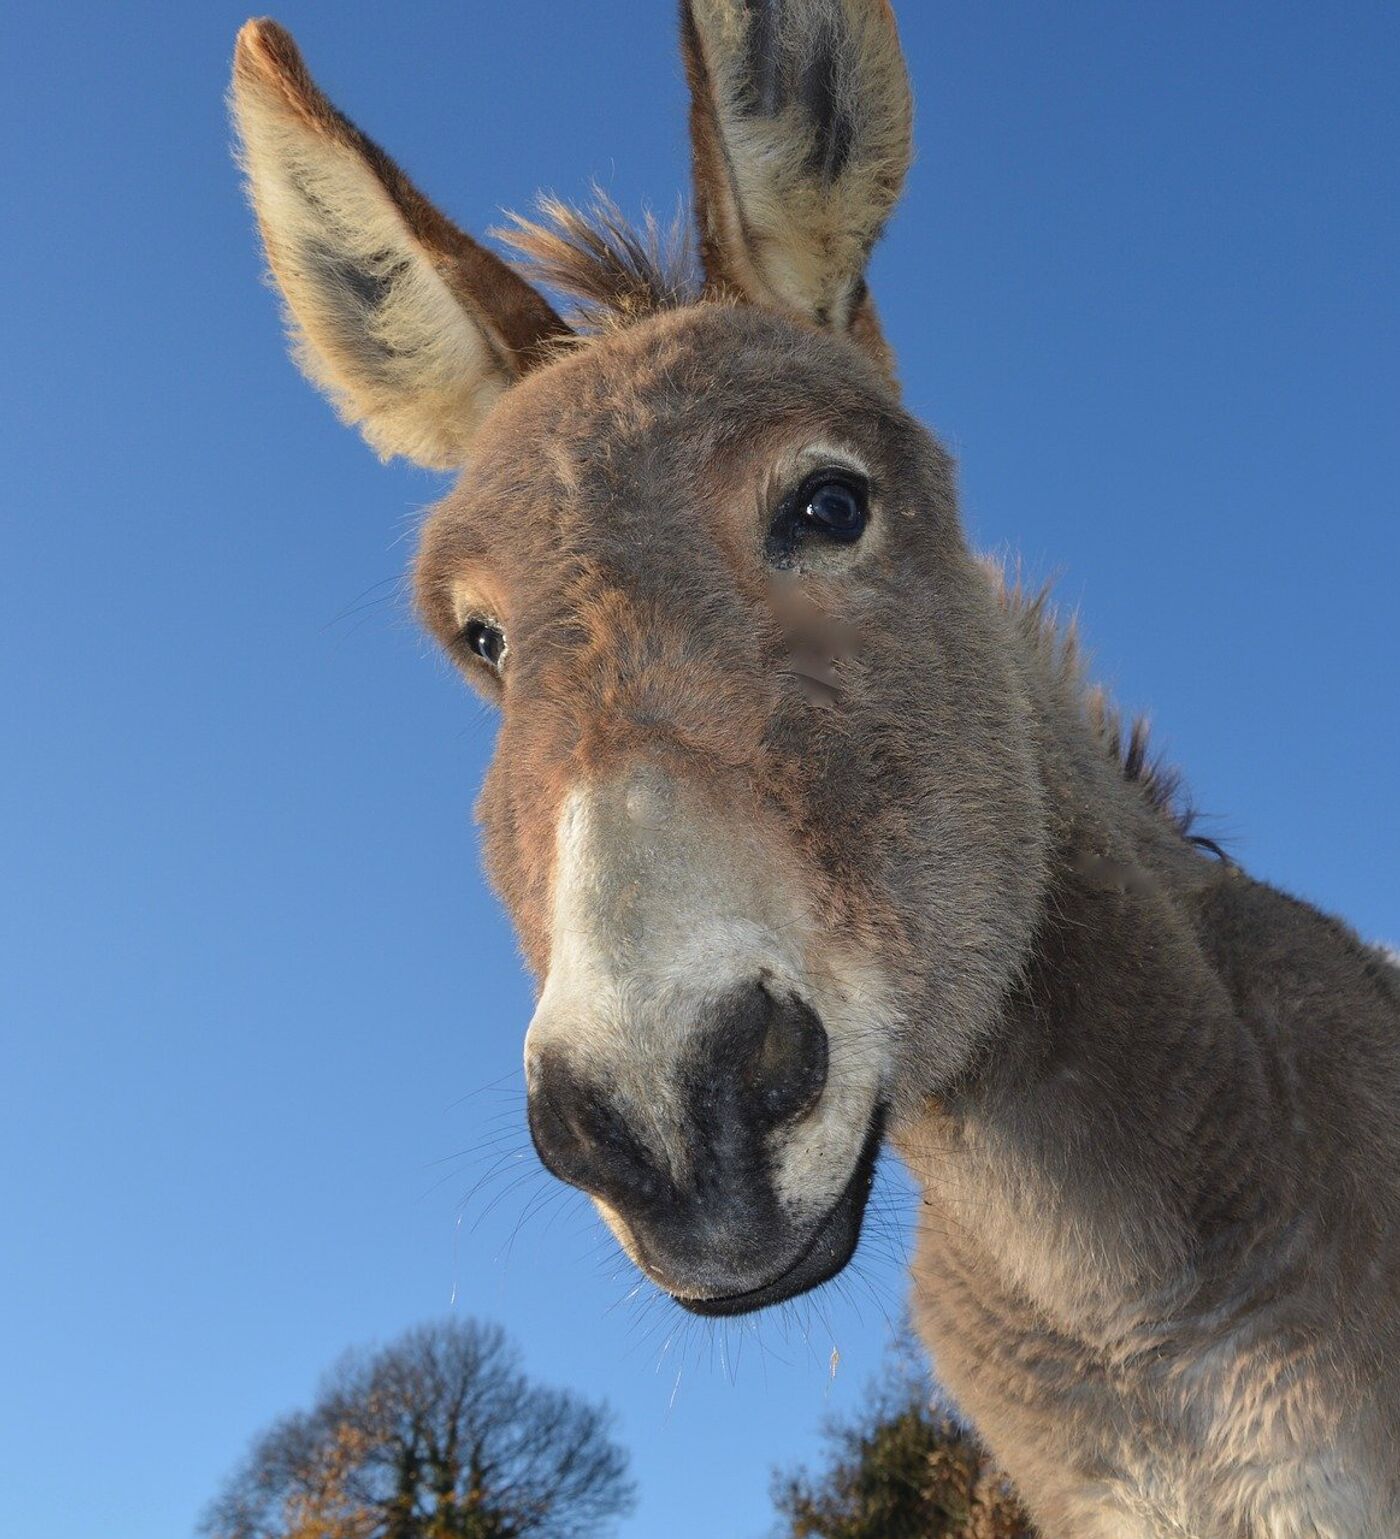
column 1152, row 1103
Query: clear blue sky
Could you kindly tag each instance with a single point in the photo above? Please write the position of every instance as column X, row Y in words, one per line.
column 1145, row 284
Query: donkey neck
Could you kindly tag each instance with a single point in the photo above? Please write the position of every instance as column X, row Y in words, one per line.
column 1106, row 1162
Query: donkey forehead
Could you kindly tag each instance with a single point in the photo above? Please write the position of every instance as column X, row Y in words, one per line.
column 649, row 416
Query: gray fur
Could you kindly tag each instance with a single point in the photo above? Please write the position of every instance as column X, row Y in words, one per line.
column 1153, row 1104
column 1158, row 1245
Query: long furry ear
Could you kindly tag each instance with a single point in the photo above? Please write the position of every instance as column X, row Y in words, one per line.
column 410, row 326
column 800, row 125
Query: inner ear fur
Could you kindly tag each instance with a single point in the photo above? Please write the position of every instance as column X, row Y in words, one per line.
column 801, row 123
column 408, row 324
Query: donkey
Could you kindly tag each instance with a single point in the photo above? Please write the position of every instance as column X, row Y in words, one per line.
column 816, row 838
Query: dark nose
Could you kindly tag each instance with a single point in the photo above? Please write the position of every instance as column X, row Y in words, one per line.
column 759, row 1063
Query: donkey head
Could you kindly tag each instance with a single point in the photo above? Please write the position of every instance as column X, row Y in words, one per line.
column 765, row 804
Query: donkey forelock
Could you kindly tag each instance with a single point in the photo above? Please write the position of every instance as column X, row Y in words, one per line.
column 614, row 272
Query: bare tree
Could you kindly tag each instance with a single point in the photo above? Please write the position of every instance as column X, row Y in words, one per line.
column 437, row 1436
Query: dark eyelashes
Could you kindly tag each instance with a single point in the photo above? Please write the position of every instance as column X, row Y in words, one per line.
column 801, row 494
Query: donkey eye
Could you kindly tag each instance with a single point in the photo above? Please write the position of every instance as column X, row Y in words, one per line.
column 836, row 508
column 486, row 640
column 831, row 506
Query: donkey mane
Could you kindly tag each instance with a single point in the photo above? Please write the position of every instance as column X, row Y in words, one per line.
column 1127, row 742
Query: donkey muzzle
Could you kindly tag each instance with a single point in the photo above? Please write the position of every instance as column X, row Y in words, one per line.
column 688, row 1066
column 698, row 1208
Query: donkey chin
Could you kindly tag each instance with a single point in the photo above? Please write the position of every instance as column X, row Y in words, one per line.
column 789, row 1255
column 719, row 1098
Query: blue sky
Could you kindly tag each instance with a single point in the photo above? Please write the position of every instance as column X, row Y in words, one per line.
column 256, row 1001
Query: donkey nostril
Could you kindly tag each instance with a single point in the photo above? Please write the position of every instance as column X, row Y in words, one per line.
column 583, row 1138
column 787, row 1065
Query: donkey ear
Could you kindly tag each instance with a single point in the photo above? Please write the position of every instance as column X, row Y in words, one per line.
column 410, row 326
column 800, row 124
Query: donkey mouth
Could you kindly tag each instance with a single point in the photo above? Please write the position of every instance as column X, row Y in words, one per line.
column 832, row 1244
